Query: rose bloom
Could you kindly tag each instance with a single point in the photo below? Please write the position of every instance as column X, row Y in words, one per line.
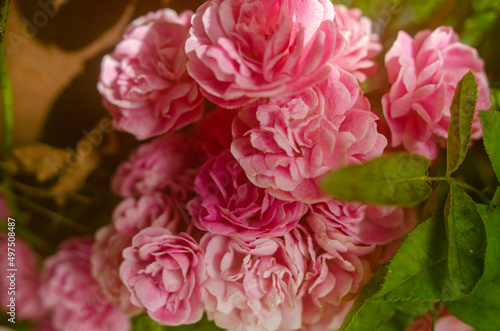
column 27, row 279
column 129, row 217
column 166, row 164
column 163, row 272
column 424, row 73
column 228, row 203
column 219, row 137
column 240, row 51
column 144, row 81
column 73, row 296
column 252, row 285
column 287, row 143
column 362, row 46
column 367, row 224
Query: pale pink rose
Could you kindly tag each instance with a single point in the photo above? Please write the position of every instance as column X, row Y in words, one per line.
column 424, row 73
column 144, row 81
column 252, row 285
column 163, row 272
column 73, row 296
column 26, row 280
column 130, row 216
column 335, row 267
column 328, row 317
column 240, row 51
column 285, row 144
column 444, row 322
column 368, row 224
column 229, row 204
column 165, row 164
column 362, row 46
column 214, row 130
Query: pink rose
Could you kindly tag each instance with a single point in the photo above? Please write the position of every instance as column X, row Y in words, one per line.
column 368, row 224
column 287, row 143
column 165, row 164
column 26, row 280
column 252, row 285
column 328, row 317
column 240, row 51
column 163, row 272
column 229, row 204
column 444, row 322
column 129, row 217
column 73, row 295
column 424, row 73
column 144, row 81
column 335, row 266
column 362, row 46
column 214, row 130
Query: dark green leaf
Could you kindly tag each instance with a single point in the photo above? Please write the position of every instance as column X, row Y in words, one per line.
column 418, row 271
column 462, row 111
column 491, row 220
column 491, row 137
column 396, row 179
column 481, row 309
column 466, row 240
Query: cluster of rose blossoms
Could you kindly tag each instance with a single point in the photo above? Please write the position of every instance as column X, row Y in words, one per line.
column 225, row 217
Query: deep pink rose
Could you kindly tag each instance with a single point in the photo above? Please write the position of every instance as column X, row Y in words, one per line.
column 130, row 216
column 144, row 81
column 214, row 130
column 163, row 272
column 4, row 209
column 165, row 164
column 424, row 73
column 287, row 143
column 362, row 46
column 74, row 297
column 368, row 224
column 240, row 51
column 229, row 204
column 26, row 279
column 252, row 285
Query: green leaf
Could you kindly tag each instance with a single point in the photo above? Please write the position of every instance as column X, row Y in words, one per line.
column 418, row 270
column 466, row 240
column 395, row 179
column 491, row 137
column 480, row 310
column 366, row 315
column 144, row 322
column 462, row 111
column 491, row 220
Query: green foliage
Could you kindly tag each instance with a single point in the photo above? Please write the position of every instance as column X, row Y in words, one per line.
column 397, row 179
column 491, row 137
column 462, row 111
column 466, row 240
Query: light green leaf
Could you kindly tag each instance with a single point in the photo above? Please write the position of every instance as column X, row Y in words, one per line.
column 144, row 322
column 491, row 137
column 466, row 240
column 395, row 179
column 462, row 111
column 480, row 310
column 418, row 270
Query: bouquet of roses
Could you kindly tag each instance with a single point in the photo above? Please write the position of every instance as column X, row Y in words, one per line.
column 269, row 193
